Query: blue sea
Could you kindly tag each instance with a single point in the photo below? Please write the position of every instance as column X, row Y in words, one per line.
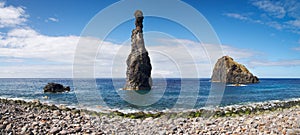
column 166, row 94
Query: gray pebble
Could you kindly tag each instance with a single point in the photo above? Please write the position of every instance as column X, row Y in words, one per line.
column 63, row 132
column 55, row 130
column 77, row 129
column 45, row 121
column 8, row 127
column 2, row 126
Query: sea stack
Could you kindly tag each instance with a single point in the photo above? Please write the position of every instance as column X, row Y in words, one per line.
column 226, row 70
column 138, row 74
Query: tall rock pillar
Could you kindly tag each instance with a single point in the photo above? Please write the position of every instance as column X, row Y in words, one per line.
column 138, row 74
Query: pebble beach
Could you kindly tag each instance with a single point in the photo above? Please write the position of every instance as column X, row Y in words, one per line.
column 20, row 117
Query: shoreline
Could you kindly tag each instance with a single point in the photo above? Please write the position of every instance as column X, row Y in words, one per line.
column 22, row 117
column 223, row 111
column 219, row 111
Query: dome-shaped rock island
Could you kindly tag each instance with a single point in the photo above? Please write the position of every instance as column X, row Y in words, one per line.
column 226, row 70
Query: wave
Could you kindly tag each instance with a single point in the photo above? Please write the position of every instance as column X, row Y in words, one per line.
column 232, row 110
column 265, row 105
column 236, row 85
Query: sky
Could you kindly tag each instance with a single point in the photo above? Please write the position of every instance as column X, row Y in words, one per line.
column 38, row 39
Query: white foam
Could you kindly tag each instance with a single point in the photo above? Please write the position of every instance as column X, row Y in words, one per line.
column 15, row 98
column 105, row 109
column 236, row 85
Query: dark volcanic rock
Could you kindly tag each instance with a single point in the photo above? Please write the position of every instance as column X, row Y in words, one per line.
column 138, row 75
column 228, row 71
column 55, row 87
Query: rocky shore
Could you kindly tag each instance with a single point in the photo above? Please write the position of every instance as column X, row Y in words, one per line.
column 20, row 117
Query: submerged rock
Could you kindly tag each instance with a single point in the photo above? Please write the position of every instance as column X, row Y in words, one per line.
column 228, row 71
column 55, row 87
column 138, row 75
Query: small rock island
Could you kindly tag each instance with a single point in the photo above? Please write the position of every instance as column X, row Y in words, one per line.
column 55, row 88
column 226, row 70
column 138, row 74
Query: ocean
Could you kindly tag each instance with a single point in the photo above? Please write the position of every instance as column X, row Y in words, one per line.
column 166, row 94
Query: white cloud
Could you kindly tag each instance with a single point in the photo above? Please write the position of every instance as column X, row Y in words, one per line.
column 275, row 9
column 170, row 57
column 297, row 48
column 285, row 63
column 246, row 18
column 197, row 49
column 11, row 60
column 11, row 16
column 21, row 47
column 36, row 71
column 32, row 54
column 295, row 23
column 52, row 19
column 281, row 14
column 238, row 53
column 27, row 43
column 275, row 25
column 167, row 60
column 236, row 16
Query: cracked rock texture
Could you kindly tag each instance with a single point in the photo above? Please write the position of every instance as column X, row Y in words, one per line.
column 138, row 74
column 226, row 70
